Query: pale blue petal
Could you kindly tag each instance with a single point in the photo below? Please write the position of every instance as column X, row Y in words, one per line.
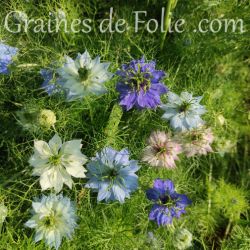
column 119, row 193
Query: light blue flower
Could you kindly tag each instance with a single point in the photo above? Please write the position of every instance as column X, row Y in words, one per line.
column 183, row 111
column 6, row 54
column 83, row 76
column 54, row 217
column 50, row 84
column 112, row 175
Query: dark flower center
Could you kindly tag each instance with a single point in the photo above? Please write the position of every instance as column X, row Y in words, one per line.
column 196, row 137
column 113, row 173
column 167, row 200
column 234, row 201
column 184, row 107
column 140, row 80
column 49, row 221
column 184, row 238
column 160, row 150
column 83, row 74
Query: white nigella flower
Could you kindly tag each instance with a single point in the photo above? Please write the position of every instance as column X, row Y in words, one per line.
column 183, row 111
column 83, row 76
column 53, row 218
column 55, row 162
column 182, row 239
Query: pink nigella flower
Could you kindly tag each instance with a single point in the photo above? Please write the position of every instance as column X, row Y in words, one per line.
column 161, row 151
column 197, row 142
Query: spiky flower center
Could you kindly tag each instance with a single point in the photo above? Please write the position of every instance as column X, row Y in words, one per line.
column 55, row 160
column 184, row 238
column 160, row 150
column 166, row 200
column 196, row 137
column 113, row 174
column 184, row 107
column 83, row 74
column 49, row 221
column 139, row 80
column 234, row 201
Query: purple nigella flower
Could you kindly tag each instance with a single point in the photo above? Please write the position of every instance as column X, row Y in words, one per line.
column 6, row 54
column 50, row 84
column 168, row 203
column 140, row 85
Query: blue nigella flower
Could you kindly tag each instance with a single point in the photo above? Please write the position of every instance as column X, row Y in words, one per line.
column 140, row 85
column 112, row 175
column 168, row 203
column 183, row 111
column 6, row 54
column 50, row 84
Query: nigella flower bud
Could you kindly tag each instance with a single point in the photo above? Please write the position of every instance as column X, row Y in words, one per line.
column 221, row 120
column 46, row 118
column 182, row 239
column 224, row 145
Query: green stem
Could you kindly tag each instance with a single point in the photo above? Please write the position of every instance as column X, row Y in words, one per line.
column 27, row 65
column 166, row 22
column 228, row 229
column 209, row 188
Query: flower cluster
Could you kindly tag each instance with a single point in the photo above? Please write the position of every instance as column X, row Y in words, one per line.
column 163, row 149
column 111, row 173
column 32, row 119
column 77, row 78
